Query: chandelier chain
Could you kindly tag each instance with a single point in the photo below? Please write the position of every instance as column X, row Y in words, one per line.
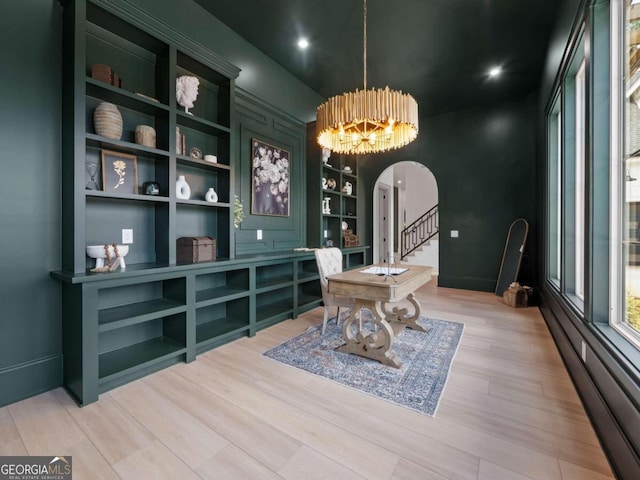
column 364, row 57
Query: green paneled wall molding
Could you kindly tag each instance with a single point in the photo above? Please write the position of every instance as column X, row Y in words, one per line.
column 256, row 119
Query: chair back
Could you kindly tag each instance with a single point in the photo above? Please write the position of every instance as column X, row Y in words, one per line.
column 329, row 262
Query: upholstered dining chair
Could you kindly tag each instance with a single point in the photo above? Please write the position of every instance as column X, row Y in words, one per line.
column 329, row 262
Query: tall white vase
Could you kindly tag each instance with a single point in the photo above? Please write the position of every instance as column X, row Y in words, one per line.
column 183, row 190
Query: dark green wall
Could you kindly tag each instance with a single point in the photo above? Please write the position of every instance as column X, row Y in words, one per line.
column 482, row 159
column 30, row 85
column 484, row 162
column 256, row 119
column 30, row 189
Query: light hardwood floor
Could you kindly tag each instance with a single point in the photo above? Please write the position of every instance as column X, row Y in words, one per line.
column 509, row 411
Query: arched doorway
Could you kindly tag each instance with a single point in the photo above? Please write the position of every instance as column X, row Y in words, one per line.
column 402, row 193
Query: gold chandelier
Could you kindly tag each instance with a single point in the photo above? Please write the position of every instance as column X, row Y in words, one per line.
column 367, row 121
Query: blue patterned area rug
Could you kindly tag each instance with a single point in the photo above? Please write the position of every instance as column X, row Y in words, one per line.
column 418, row 384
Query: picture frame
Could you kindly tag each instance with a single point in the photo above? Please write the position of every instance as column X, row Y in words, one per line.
column 119, row 172
column 270, row 189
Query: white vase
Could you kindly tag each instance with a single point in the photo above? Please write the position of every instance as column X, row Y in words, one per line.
column 183, row 190
column 211, row 196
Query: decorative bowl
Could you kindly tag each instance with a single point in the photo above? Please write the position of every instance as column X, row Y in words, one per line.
column 97, row 252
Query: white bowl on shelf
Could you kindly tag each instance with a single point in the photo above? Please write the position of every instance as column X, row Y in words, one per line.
column 97, row 252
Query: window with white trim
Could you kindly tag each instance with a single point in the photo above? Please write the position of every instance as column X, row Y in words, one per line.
column 554, row 181
column 625, row 169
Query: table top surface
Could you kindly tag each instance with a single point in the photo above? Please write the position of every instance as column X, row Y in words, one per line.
column 357, row 284
column 357, row 275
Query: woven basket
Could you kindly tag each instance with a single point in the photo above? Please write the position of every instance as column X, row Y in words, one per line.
column 107, row 121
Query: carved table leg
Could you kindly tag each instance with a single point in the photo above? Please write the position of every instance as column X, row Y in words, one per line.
column 374, row 345
column 401, row 315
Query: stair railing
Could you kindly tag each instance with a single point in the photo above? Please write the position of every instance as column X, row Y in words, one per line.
column 419, row 232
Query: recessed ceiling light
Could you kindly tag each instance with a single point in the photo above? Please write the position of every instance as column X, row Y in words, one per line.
column 495, row 71
column 303, row 43
column 399, row 181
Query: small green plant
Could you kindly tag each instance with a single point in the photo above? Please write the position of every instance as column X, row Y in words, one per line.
column 238, row 212
column 633, row 311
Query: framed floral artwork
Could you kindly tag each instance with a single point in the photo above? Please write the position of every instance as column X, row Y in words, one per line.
column 270, row 188
column 119, row 172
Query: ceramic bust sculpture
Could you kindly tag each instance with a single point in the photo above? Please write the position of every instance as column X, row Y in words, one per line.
column 186, row 91
column 326, row 153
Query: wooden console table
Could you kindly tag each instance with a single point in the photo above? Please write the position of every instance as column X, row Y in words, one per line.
column 374, row 292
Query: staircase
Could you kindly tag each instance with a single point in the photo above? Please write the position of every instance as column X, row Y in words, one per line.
column 417, row 234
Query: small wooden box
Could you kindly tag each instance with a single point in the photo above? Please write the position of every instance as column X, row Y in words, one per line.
column 195, row 249
column 350, row 239
column 105, row 74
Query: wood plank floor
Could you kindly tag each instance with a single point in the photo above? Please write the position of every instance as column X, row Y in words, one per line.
column 509, row 412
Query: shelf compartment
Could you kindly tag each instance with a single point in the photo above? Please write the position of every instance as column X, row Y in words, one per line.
column 203, row 219
column 129, row 304
column 354, row 260
column 214, row 92
column 350, row 161
column 268, row 276
column 136, row 357
column 99, row 142
column 135, row 346
column 200, row 180
column 333, row 226
column 111, row 94
column 194, row 162
column 148, row 219
column 217, row 287
column 222, row 319
column 307, row 270
column 207, row 138
column 126, row 315
column 331, row 169
column 274, row 305
column 131, row 118
column 148, row 168
column 333, row 194
column 140, row 60
column 349, row 206
column 309, row 293
column 199, row 124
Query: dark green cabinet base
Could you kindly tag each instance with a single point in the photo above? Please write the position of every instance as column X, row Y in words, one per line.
column 124, row 325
